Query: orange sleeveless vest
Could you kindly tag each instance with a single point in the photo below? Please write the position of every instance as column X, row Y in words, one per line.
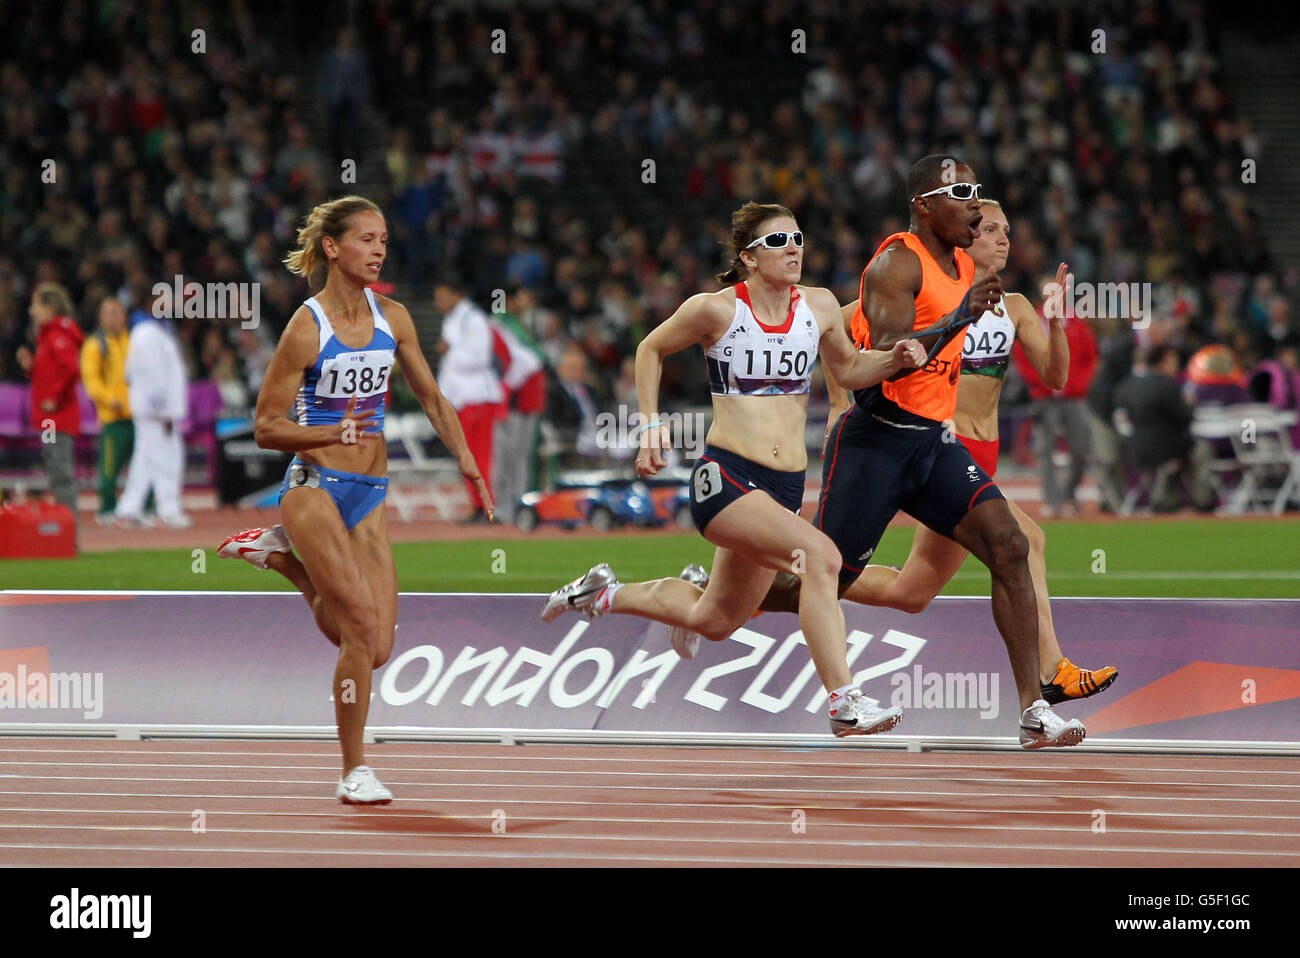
column 932, row 390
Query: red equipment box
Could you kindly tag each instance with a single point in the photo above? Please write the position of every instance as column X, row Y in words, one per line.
column 37, row 530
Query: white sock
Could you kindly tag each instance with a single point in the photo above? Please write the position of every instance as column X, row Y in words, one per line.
column 606, row 598
column 837, row 697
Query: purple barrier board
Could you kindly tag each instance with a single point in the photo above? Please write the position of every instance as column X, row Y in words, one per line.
column 1195, row 670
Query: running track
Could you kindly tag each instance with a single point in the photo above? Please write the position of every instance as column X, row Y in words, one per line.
column 88, row 803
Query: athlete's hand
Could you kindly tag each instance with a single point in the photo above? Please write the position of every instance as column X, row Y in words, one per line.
column 351, row 427
column 831, row 420
column 469, row 469
column 908, row 354
column 652, row 457
column 1063, row 281
column 984, row 293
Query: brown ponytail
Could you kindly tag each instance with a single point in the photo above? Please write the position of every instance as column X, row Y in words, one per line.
column 744, row 230
column 328, row 219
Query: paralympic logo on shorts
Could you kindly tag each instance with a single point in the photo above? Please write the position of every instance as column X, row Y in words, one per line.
column 53, row 690
column 622, row 430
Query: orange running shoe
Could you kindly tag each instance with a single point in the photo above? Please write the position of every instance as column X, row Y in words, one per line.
column 1072, row 682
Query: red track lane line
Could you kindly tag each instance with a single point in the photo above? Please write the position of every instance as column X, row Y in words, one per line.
column 705, row 843
column 782, row 786
column 599, row 794
column 160, row 857
column 740, row 814
column 837, row 753
column 1005, row 776
column 715, row 757
column 818, row 831
column 648, row 847
column 310, row 804
column 1228, row 809
column 163, row 858
column 829, row 757
column 1283, row 825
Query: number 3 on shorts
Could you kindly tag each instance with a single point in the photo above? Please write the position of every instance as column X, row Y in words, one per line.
column 708, row 482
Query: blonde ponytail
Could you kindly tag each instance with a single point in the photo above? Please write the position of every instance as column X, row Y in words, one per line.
column 328, row 219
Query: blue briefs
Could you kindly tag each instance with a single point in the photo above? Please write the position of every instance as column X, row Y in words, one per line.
column 355, row 495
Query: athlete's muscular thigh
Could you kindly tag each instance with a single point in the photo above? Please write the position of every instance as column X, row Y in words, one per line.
column 374, row 557
column 321, row 540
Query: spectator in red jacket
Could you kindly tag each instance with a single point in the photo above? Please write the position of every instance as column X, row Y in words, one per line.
column 1061, row 412
column 55, row 371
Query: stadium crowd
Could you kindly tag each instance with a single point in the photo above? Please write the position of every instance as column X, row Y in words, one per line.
column 586, row 159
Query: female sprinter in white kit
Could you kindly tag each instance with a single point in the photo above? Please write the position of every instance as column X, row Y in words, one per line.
column 761, row 335
column 332, row 366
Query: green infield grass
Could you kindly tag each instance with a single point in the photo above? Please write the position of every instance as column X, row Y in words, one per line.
column 1248, row 558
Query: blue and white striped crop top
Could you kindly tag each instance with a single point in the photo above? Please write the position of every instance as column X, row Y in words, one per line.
column 340, row 373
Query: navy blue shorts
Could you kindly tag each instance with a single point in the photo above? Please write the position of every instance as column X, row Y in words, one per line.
column 876, row 467
column 721, row 477
column 355, row 495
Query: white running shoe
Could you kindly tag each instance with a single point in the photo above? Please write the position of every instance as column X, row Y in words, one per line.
column 685, row 642
column 255, row 545
column 1040, row 727
column 859, row 715
column 581, row 594
column 178, row 521
column 362, row 788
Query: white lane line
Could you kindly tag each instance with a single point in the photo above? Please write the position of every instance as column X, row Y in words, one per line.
column 650, row 839
column 512, row 856
column 676, row 788
column 719, row 779
column 860, row 760
column 514, row 820
column 408, row 807
column 416, row 806
column 1172, row 575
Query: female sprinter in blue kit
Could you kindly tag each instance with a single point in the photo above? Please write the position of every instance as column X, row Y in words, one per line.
column 332, row 366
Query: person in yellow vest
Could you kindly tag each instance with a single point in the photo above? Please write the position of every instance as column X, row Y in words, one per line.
column 103, row 370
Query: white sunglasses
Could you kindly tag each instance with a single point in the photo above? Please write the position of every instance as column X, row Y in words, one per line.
column 778, row 240
column 958, row 191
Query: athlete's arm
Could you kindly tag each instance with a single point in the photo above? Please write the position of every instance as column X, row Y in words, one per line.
column 440, row 412
column 851, row 367
column 701, row 319
column 271, row 429
column 840, row 398
column 1048, row 352
column 889, row 288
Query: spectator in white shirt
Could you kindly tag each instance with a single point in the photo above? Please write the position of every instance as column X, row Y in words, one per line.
column 468, row 377
column 158, row 392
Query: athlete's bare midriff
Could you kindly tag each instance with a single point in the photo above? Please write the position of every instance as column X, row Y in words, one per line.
column 768, row 430
column 347, row 458
column 977, row 407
